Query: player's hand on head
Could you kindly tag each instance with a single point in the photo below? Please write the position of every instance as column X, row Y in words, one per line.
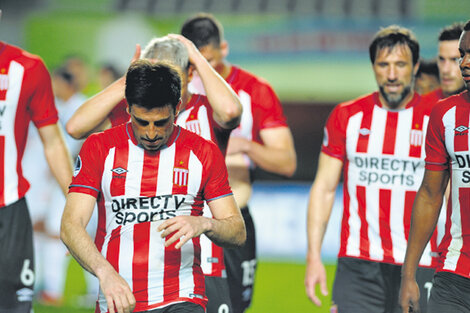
column 315, row 274
column 193, row 51
column 137, row 53
column 409, row 296
column 118, row 294
column 182, row 228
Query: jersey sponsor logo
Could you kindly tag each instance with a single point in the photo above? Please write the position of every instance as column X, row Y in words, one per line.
column 416, row 137
column 387, row 171
column 78, row 166
column 194, row 126
column 461, row 130
column 180, row 176
column 25, row 295
column 364, row 132
column 146, row 209
column 463, row 162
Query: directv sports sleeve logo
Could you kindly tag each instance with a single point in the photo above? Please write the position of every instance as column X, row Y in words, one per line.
column 78, row 166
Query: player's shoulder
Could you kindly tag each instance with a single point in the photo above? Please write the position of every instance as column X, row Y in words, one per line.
column 459, row 100
column 356, row 105
column 25, row 58
column 248, row 78
column 111, row 137
column 194, row 142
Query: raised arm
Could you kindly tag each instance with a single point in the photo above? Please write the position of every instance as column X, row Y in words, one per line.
column 78, row 210
column 92, row 115
column 57, row 155
column 426, row 209
column 224, row 101
column 322, row 195
column 226, row 229
column 276, row 154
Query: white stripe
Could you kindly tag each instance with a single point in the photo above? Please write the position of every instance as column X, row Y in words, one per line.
column 397, row 201
column 165, row 170
column 403, row 133
column 135, row 166
column 245, row 129
column 352, row 133
column 194, row 175
column 376, row 251
column 377, row 131
column 186, row 277
column 183, row 117
column 448, row 121
column 15, row 74
column 106, row 189
column 204, row 123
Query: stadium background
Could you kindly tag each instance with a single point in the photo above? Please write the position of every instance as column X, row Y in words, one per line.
column 313, row 52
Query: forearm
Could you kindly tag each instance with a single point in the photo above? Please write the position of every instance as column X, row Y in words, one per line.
column 282, row 161
column 227, row 232
column 94, row 112
column 223, row 100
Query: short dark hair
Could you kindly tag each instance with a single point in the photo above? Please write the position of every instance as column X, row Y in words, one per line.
column 451, row 32
column 466, row 27
column 153, row 85
column 392, row 36
column 203, row 29
column 428, row 67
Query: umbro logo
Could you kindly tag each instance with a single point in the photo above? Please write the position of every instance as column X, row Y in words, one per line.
column 461, row 128
column 119, row 170
column 364, row 131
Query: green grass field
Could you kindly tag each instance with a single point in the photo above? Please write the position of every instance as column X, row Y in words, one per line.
column 279, row 288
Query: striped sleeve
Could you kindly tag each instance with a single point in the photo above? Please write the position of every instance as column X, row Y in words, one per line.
column 436, row 153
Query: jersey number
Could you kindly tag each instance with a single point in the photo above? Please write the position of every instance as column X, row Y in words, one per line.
column 27, row 274
column 248, row 268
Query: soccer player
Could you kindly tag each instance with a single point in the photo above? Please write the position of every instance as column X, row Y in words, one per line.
column 447, row 157
column 25, row 95
column 427, row 77
column 451, row 82
column 151, row 178
column 377, row 141
column 262, row 139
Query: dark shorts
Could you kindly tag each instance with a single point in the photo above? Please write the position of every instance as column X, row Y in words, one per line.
column 183, row 307
column 16, row 258
column 365, row 286
column 241, row 266
column 218, row 293
column 450, row 293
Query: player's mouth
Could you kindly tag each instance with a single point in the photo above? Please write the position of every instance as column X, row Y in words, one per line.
column 393, row 87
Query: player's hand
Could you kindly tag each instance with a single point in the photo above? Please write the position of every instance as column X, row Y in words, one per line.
column 117, row 292
column 137, row 52
column 409, row 295
column 193, row 51
column 237, row 145
column 183, row 229
column 315, row 274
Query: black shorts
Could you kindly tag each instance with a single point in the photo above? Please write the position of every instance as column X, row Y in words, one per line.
column 241, row 266
column 366, row 286
column 16, row 258
column 182, row 307
column 450, row 293
column 218, row 293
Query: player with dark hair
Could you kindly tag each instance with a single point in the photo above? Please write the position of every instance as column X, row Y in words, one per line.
column 427, row 77
column 151, row 179
column 451, row 82
column 263, row 139
column 25, row 96
column 377, row 142
column 447, row 157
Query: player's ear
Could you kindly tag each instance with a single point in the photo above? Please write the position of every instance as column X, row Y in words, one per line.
column 190, row 72
column 224, row 48
column 178, row 108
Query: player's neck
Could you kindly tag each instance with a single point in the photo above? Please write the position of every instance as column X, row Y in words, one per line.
column 226, row 70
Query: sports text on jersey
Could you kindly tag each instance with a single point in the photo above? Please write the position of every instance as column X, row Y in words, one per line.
column 146, row 209
column 387, row 170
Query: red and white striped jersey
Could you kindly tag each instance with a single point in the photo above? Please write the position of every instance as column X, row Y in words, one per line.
column 383, row 155
column 25, row 95
column 433, row 96
column 137, row 190
column 447, row 149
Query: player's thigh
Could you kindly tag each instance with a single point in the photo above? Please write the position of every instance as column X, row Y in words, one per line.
column 449, row 294
column 358, row 286
column 16, row 258
column 218, row 294
column 182, row 307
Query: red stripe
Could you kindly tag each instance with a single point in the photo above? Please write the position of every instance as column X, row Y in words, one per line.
column 118, row 181
column 148, row 187
column 390, row 133
column 463, row 264
column 363, row 139
column 199, row 283
column 180, row 179
column 114, row 245
column 385, row 197
column 364, row 244
column 409, row 199
column 2, row 173
column 417, row 125
column 140, row 263
column 346, row 214
column 101, row 227
column 171, row 283
column 461, row 138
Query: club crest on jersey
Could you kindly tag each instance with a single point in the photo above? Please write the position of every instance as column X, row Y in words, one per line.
column 194, row 126
column 78, row 166
column 180, row 176
column 416, row 137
